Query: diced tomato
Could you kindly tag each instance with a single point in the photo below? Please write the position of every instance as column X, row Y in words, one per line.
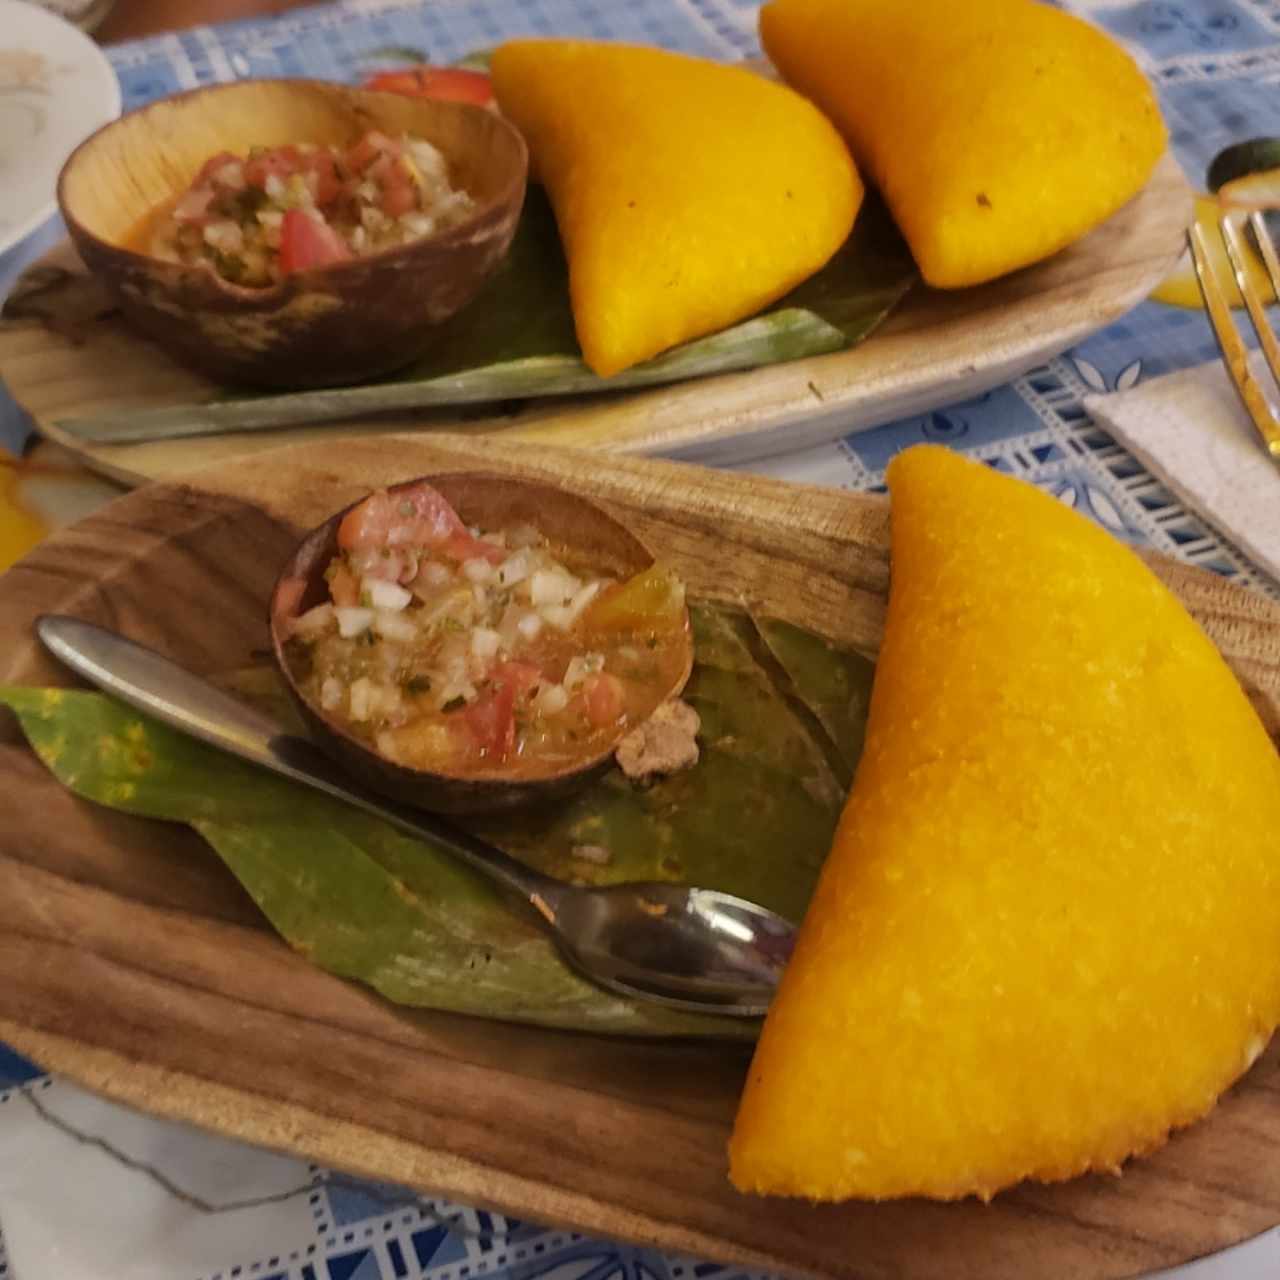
column 653, row 598
column 306, row 243
column 322, row 166
column 416, row 517
column 453, row 84
column 343, row 586
column 214, row 165
column 279, row 162
column 605, row 698
column 492, row 721
column 374, row 146
column 398, row 196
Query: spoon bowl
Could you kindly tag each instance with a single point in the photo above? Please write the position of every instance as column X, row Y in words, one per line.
column 690, row 948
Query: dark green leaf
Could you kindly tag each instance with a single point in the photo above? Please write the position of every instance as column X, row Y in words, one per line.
column 754, row 817
column 516, row 341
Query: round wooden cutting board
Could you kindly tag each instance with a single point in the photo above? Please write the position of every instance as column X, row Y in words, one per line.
column 937, row 348
column 136, row 965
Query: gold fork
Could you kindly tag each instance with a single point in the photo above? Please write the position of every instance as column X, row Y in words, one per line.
column 1234, row 353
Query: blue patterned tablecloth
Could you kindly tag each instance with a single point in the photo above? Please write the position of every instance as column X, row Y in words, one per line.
column 1216, row 64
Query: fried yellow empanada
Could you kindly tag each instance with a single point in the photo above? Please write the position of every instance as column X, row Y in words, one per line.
column 1047, row 931
column 689, row 194
column 998, row 131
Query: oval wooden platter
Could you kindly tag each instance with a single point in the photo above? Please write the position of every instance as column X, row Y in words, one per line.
column 135, row 965
column 938, row 348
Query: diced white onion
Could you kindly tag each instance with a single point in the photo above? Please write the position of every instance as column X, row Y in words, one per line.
column 273, row 218
column 435, row 574
column 583, row 598
column 331, row 694
column 314, row 620
column 428, row 159
column 418, row 224
column 581, row 667
column 559, row 616
column 273, row 186
column 551, row 699
column 548, row 586
column 477, row 570
column 358, row 700
column 485, row 642
column 457, row 689
column 515, row 568
column 530, row 626
column 385, row 700
column 394, row 626
column 224, row 236
column 386, row 595
column 353, row 622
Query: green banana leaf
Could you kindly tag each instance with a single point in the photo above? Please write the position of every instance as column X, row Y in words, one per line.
column 516, row 341
column 755, row 817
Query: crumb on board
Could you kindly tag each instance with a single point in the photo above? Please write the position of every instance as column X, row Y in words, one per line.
column 596, row 853
column 665, row 743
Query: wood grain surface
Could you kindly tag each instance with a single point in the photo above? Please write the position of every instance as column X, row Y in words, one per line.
column 135, row 964
column 938, row 348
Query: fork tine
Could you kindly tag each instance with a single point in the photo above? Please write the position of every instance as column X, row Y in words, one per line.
column 1234, row 354
column 1238, row 253
column 1268, row 248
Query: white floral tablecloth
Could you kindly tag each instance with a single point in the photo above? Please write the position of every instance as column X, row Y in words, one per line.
column 90, row 1191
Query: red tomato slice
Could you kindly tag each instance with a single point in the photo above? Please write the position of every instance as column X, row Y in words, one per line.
column 492, row 720
column 320, row 163
column 417, row 517
column 213, row 165
column 280, row 162
column 398, row 196
column 605, row 698
column 374, row 146
column 453, row 84
column 306, row 243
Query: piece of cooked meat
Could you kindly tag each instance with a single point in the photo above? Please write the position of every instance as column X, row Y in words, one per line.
column 665, row 743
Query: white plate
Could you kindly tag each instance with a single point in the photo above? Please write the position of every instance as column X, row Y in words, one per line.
column 937, row 349
column 56, row 88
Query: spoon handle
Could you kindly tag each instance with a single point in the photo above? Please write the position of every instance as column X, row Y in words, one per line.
column 159, row 688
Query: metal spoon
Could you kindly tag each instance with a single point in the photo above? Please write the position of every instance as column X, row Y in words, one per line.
column 694, row 949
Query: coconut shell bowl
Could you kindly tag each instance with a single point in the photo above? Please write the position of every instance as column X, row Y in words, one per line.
column 586, row 538
column 341, row 323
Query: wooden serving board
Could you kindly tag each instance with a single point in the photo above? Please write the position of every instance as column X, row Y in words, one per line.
column 135, row 965
column 938, row 348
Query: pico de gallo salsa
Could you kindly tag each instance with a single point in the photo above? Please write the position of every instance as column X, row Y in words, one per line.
column 455, row 649
column 257, row 218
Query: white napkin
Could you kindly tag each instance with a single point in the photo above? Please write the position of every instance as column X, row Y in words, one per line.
column 1190, row 430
